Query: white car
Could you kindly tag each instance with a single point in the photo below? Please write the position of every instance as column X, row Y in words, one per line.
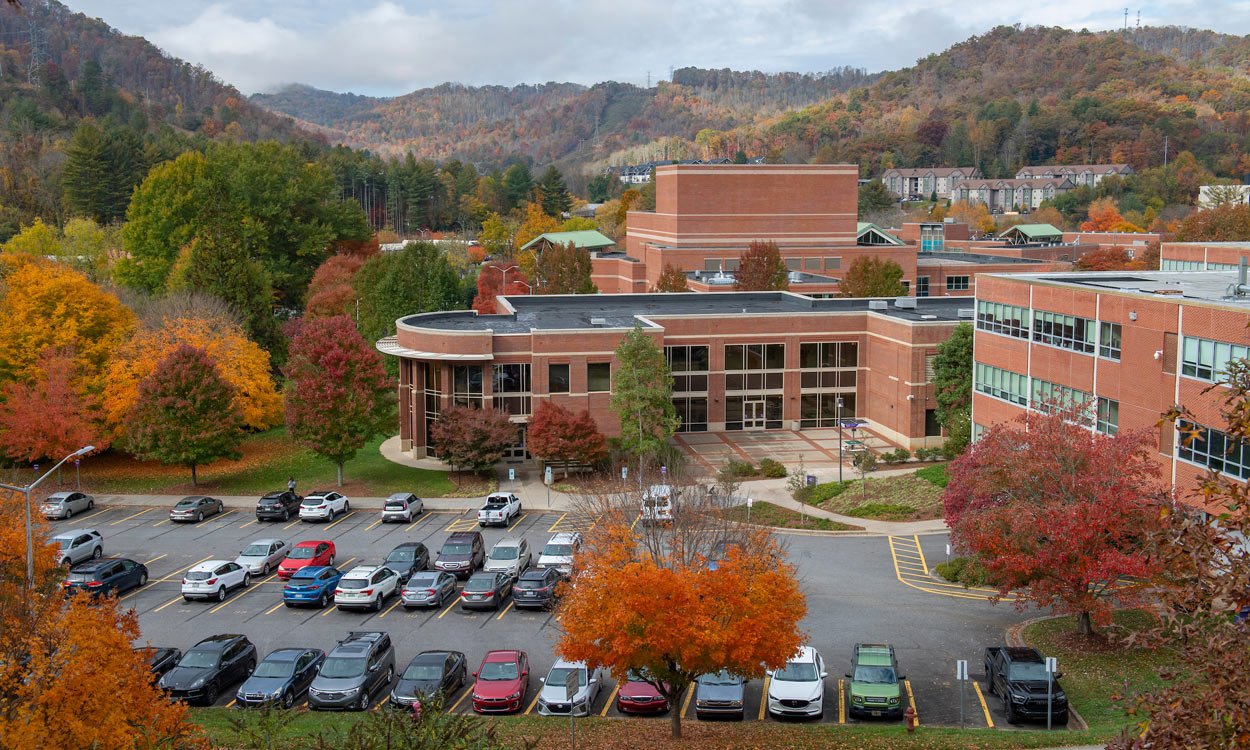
column 553, row 698
column 213, row 580
column 500, row 509
column 402, row 507
column 323, row 506
column 66, row 504
column 366, row 587
column 263, row 555
column 511, row 556
column 798, row 688
column 657, row 504
column 77, row 545
column 559, row 552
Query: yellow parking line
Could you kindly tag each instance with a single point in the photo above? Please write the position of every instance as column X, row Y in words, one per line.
column 251, row 587
column 136, row 515
column 460, row 700
column 93, row 515
column 220, row 516
column 341, row 520
column 297, row 520
column 989, row 720
column 557, row 523
column 912, row 700
column 154, row 559
column 231, row 703
column 685, row 705
column 841, row 702
column 398, row 600
column 615, row 689
column 424, row 516
column 533, row 702
column 341, row 565
column 505, row 611
column 158, row 523
column 249, row 523
column 374, row 524
column 275, row 607
column 764, row 698
column 166, row 604
column 635, row 523
column 454, row 602
column 518, row 521
column 330, row 608
column 181, row 570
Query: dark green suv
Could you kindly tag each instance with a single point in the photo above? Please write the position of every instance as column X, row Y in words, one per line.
column 876, row 688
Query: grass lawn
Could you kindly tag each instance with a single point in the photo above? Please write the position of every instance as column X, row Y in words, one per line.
column 1095, row 668
column 905, row 497
column 767, row 514
column 268, row 459
column 597, row 733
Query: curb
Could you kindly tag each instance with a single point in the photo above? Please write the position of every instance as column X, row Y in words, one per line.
column 1014, row 638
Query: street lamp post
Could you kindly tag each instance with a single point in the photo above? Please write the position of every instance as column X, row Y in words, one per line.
column 30, row 545
column 504, row 282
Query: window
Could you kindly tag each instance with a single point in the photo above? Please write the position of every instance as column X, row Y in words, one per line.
column 746, row 366
column 433, row 399
column 688, row 359
column 833, row 264
column 1064, row 331
column 932, row 427
column 930, row 361
column 1108, row 416
column 793, row 264
column 1047, row 395
column 978, row 430
column 1109, row 340
column 1001, row 383
column 557, row 378
column 1208, row 360
column 467, row 385
column 1008, row 320
column 692, row 413
column 811, row 264
column 822, row 410
column 731, row 264
column 512, row 388
column 922, row 286
column 1213, row 449
column 599, row 377
column 957, row 283
column 711, row 264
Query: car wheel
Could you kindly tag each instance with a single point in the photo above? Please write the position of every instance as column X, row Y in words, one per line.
column 288, row 699
column 286, row 514
column 331, row 561
column 199, row 517
column 264, row 569
column 1061, row 720
column 143, row 580
column 221, row 507
column 363, row 705
column 346, row 506
column 330, row 518
column 324, row 600
column 991, row 687
column 186, row 598
column 246, row 580
column 221, row 593
column 377, row 604
column 97, row 553
column 210, row 693
column 69, row 513
column 90, row 504
column 1011, row 712
column 288, row 604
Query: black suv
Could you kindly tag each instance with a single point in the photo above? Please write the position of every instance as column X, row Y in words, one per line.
column 214, row 663
column 536, row 588
column 361, row 665
column 104, row 577
column 462, row 553
column 408, row 558
column 1018, row 674
column 278, row 506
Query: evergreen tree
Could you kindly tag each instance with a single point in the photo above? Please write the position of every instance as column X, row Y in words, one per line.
column 740, row 157
column 952, row 383
column 101, row 171
column 555, row 194
column 517, row 184
column 642, row 394
column 873, row 196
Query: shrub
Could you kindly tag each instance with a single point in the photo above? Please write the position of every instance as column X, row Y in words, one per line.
column 935, row 474
column 740, row 469
column 866, row 460
column 822, row 492
column 965, row 570
column 897, row 456
column 772, row 469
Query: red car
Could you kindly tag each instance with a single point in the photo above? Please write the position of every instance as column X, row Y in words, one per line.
column 501, row 682
column 305, row 554
column 637, row 696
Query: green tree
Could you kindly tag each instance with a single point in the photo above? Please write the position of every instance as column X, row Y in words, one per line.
column 599, row 188
column 496, row 235
column 555, row 194
column 416, row 279
column 101, row 170
column 642, row 394
column 872, row 277
column 563, row 269
column 517, row 184
column 740, row 157
column 873, row 196
column 761, row 269
column 952, row 384
column 184, row 413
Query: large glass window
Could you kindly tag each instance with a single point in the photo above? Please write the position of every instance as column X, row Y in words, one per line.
column 689, row 366
column 827, row 373
column 1213, row 449
column 1064, row 331
column 1208, row 360
column 467, row 385
column 1008, row 320
column 1048, row 395
column 922, row 286
column 511, row 387
column 557, row 378
column 822, row 410
column 1109, row 340
column 748, row 366
column 1108, row 416
column 692, row 411
column 1001, row 383
column 957, row 283
column 599, row 377
column 433, row 399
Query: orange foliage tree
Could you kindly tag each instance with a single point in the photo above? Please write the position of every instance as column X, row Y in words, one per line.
column 490, row 284
column 68, row 675
column 975, row 215
column 330, row 292
column 557, row 434
column 672, row 279
column 1105, row 217
column 761, row 269
column 50, row 417
column 645, row 598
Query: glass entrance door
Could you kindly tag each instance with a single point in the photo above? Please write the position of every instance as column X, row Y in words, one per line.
column 753, row 414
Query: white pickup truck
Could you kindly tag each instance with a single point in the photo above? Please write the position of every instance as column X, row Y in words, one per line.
column 657, row 504
column 500, row 509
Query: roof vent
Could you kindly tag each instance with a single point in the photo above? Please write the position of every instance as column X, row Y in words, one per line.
column 905, row 303
column 877, row 304
column 967, row 312
column 598, row 321
column 928, row 317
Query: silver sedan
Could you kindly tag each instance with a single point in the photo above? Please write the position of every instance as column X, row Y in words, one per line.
column 66, row 504
column 263, row 555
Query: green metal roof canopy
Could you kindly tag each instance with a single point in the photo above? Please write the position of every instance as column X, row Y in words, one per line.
column 1035, row 232
column 884, row 237
column 587, row 239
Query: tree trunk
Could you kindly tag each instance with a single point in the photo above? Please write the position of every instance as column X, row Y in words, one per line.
column 193, row 482
column 1083, row 624
column 566, row 469
column 674, row 712
column 340, row 466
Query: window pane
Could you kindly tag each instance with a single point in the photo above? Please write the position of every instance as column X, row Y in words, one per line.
column 599, row 377
column 809, row 355
column 677, row 358
column 558, row 378
column 775, row 356
column 698, row 359
column 733, row 357
column 848, row 354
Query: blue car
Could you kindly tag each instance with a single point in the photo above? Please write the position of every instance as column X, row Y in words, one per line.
column 311, row 585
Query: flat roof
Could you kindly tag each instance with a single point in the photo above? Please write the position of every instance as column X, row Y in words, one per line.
column 942, row 259
column 575, row 311
column 1210, row 287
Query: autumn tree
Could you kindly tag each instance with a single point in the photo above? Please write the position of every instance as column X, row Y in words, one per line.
column 536, row 223
column 330, row 291
column 184, row 413
column 495, row 278
column 672, row 279
column 496, row 235
column 557, row 434
column 872, row 277
column 1057, row 513
column 1105, row 259
column 1226, row 223
column 952, row 385
column 873, row 196
column 555, row 194
column 1105, row 217
column 761, row 269
column 642, row 394
column 975, row 215
column 338, row 396
column 471, row 438
column 563, row 269
column 50, row 417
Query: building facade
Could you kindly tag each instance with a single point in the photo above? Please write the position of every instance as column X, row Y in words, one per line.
column 1007, row 195
column 1079, row 174
column 1202, row 256
column 921, row 183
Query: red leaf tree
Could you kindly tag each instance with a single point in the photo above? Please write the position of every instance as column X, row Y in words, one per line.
column 1105, row 259
column 761, row 269
column 1057, row 513
column 672, row 280
column 185, row 413
column 557, row 434
column 490, row 284
column 473, row 439
column 330, row 292
column 50, row 417
column 338, row 395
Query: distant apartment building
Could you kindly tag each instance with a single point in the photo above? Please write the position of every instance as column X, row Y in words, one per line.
column 920, row 183
column 1078, row 174
column 637, row 174
column 1024, row 194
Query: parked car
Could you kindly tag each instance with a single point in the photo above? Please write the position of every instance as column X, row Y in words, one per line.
column 511, row 556
column 553, row 698
column 161, row 659
column 281, row 677
column 106, row 576
column 500, row 683
column 720, row 694
column 195, row 508
column 66, row 504
column 657, row 504
column 215, row 663
column 314, row 584
column 485, row 590
column 313, row 553
column 536, row 588
column 798, row 688
column 402, row 507
column 366, row 586
column 461, row 554
column 1018, row 675
column 77, row 545
column 263, row 555
column 430, row 673
column 500, row 509
column 213, row 579
column 278, row 506
column 559, row 552
column 429, row 588
column 639, row 696
column 323, row 506
column 874, row 687
column 408, row 558
column 360, row 665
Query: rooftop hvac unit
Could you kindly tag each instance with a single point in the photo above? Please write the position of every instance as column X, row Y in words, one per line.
column 598, row 321
column 928, row 317
column 967, row 312
column 796, row 277
column 905, row 303
column 877, row 304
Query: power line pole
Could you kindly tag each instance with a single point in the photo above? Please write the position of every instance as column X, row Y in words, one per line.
column 1165, row 153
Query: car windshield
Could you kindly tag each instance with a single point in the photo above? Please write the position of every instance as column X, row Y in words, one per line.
column 187, row 502
column 338, row 667
column 65, row 543
column 353, row 583
column 274, row 669
column 879, row 675
column 719, row 678
column 558, row 550
column 455, row 549
column 503, row 553
column 797, row 671
column 422, row 581
column 302, row 553
column 558, row 676
column 401, row 555
column 256, row 550
column 480, row 583
column 424, row 672
column 199, row 659
column 199, row 575
column 1028, row 671
column 493, row 671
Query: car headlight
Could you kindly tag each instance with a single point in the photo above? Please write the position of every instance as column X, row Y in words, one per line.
column 894, row 701
column 476, row 697
column 1017, row 698
column 514, row 696
column 700, row 704
column 198, row 683
column 857, row 699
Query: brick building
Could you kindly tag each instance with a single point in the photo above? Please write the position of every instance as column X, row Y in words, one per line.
column 741, row 361
column 1127, row 345
column 1202, row 256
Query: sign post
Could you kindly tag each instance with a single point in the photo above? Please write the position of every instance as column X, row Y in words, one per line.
column 1052, row 666
column 548, row 478
column 570, row 692
column 624, row 474
column 750, row 502
column 961, row 674
column 511, row 479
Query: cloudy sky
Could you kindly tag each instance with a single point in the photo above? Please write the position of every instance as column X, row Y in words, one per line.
column 389, row 47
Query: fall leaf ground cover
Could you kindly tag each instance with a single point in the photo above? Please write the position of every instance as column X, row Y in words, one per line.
column 1095, row 668
column 906, row 497
column 767, row 514
column 268, row 459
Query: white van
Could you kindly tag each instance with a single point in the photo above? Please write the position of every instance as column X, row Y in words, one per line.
column 657, row 504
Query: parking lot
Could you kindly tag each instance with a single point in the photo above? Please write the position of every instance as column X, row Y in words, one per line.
column 854, row 586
